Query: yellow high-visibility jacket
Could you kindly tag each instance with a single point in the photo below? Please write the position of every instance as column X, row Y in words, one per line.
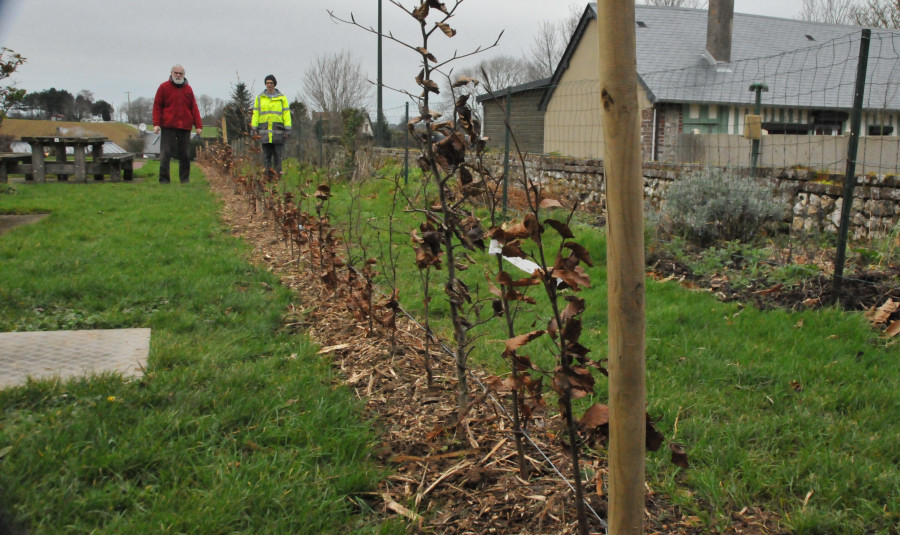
column 271, row 117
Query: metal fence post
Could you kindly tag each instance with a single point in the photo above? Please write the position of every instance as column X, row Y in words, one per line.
column 406, row 150
column 757, row 109
column 850, row 175
column 506, row 155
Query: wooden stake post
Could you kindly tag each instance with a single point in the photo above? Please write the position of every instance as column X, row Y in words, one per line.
column 620, row 119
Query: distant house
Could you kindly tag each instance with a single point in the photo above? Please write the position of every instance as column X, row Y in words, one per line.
column 695, row 72
column 331, row 124
column 525, row 118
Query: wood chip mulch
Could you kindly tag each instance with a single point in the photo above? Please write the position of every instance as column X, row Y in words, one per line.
column 446, row 481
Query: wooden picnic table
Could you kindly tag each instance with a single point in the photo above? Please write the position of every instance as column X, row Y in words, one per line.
column 62, row 167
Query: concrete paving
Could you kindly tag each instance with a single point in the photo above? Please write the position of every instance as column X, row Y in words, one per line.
column 68, row 354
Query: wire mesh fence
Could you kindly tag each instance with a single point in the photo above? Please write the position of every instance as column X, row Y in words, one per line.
column 784, row 118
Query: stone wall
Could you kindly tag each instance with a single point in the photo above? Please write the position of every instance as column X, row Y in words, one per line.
column 814, row 198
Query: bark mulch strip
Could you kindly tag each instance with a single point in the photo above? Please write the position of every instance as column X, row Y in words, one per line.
column 445, row 480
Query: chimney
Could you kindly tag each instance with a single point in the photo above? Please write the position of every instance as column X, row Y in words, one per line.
column 718, row 29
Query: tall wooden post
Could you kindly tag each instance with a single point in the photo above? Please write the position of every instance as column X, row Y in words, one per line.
column 620, row 120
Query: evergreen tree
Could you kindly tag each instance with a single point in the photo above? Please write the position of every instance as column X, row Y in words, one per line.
column 238, row 111
column 102, row 108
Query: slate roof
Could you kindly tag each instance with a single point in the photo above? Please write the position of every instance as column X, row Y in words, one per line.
column 805, row 64
column 521, row 88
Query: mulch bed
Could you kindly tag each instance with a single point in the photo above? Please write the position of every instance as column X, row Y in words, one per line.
column 866, row 290
column 446, row 480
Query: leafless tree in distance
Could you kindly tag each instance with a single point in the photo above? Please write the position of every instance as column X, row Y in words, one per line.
column 879, row 13
column 550, row 43
column 336, row 82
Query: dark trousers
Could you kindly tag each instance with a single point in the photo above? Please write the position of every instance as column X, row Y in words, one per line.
column 272, row 154
column 174, row 141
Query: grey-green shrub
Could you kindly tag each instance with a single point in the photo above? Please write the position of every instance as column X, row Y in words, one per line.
column 712, row 204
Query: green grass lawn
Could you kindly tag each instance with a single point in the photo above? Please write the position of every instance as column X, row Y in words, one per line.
column 237, row 427
column 795, row 412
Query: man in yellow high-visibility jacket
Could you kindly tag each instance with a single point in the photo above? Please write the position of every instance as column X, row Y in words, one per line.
column 272, row 122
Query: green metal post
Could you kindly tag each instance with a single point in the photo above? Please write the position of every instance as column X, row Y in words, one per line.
column 379, row 134
column 406, row 149
column 850, row 175
column 757, row 108
column 506, row 156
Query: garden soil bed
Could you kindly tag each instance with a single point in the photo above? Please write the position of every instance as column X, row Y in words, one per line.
column 447, row 480
column 865, row 290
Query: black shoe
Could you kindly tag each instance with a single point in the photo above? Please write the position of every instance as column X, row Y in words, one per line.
column 161, row 181
column 185, row 181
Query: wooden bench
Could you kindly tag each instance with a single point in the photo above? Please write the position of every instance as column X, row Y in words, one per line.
column 115, row 165
column 14, row 163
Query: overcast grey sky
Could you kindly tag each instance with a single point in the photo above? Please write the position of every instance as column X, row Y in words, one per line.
column 116, row 47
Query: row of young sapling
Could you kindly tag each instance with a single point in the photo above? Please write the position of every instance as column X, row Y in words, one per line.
column 456, row 186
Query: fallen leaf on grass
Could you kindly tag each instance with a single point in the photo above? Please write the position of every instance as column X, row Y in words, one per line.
column 768, row 291
column 882, row 313
column 679, row 456
column 893, row 330
column 330, row 349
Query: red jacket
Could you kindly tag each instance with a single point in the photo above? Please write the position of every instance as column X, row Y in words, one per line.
column 175, row 106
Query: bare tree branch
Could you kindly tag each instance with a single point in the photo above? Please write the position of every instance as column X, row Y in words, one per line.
column 336, row 82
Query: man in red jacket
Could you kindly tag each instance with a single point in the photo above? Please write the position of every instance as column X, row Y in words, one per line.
column 175, row 112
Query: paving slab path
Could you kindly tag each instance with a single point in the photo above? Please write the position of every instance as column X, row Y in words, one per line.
column 68, row 354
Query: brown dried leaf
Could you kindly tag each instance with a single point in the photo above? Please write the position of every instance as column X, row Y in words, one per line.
column 450, row 151
column 578, row 382
column 323, row 192
column 505, row 279
column 572, row 330
column 465, row 176
column 561, row 228
column 574, row 308
column 597, row 415
column 679, row 456
column 654, row 439
column 518, row 341
column 575, row 277
column 463, row 80
column 428, row 55
column 513, row 250
column 883, row 313
column 437, row 4
column 893, row 329
column 579, row 252
column 421, row 12
column 431, row 85
column 550, row 203
column 448, row 31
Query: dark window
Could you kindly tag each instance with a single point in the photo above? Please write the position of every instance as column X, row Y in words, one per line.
column 880, row 130
column 787, row 128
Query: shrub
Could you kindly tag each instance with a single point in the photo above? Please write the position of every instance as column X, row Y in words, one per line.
column 712, row 204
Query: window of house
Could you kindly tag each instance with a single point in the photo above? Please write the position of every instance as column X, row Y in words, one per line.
column 880, row 130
